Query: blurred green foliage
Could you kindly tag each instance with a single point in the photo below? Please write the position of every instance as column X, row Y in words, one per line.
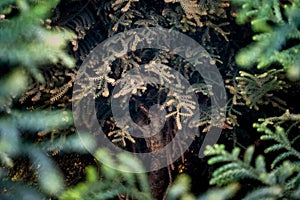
column 27, row 44
column 180, row 189
column 114, row 183
column 276, row 41
column 25, row 39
